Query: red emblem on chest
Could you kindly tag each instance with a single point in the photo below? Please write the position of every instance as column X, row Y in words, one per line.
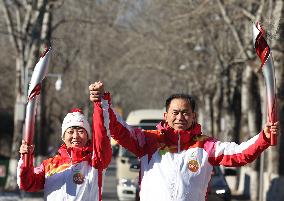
column 193, row 165
column 78, row 178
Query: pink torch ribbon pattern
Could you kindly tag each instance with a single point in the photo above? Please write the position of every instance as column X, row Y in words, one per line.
column 264, row 53
column 38, row 76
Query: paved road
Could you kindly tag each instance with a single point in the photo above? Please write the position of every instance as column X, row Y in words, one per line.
column 109, row 191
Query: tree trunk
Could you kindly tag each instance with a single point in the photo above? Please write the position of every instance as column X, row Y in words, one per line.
column 19, row 116
column 251, row 120
column 32, row 22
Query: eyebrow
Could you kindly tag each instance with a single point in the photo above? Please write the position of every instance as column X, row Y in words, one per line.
column 175, row 110
column 73, row 127
column 76, row 127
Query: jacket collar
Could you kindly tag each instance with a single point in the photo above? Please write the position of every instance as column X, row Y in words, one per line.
column 75, row 154
column 177, row 138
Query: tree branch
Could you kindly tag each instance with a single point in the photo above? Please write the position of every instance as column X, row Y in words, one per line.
column 247, row 14
column 60, row 22
column 233, row 29
column 277, row 15
column 10, row 26
column 259, row 11
column 27, row 20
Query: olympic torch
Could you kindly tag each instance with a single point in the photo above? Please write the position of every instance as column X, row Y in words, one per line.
column 264, row 53
column 38, row 76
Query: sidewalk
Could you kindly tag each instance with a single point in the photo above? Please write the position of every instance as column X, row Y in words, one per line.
column 16, row 196
column 237, row 196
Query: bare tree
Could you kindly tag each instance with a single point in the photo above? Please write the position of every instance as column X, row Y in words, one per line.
column 27, row 24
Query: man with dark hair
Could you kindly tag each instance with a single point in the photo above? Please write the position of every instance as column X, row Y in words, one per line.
column 186, row 97
column 177, row 159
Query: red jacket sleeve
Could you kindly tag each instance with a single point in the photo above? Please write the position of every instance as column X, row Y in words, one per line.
column 100, row 139
column 29, row 178
column 130, row 138
column 234, row 155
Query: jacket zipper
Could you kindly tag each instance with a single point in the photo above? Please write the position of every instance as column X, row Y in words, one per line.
column 178, row 142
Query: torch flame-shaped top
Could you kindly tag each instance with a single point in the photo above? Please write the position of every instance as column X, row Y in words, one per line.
column 261, row 46
column 39, row 74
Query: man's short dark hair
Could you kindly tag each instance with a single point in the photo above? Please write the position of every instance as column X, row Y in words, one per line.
column 186, row 97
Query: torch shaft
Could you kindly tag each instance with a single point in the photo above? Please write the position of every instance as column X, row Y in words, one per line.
column 29, row 127
column 269, row 76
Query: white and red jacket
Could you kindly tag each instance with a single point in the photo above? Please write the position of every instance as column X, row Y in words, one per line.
column 177, row 165
column 56, row 175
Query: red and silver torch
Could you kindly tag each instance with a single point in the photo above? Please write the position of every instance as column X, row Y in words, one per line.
column 38, row 76
column 264, row 53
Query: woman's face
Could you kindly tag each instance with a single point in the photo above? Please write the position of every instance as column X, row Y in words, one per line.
column 75, row 137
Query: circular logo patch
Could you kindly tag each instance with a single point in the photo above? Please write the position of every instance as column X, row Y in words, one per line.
column 78, row 178
column 193, row 165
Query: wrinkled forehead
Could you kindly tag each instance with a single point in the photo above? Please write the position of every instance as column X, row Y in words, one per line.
column 181, row 105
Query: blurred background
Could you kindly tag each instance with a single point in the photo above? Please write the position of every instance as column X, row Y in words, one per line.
column 143, row 50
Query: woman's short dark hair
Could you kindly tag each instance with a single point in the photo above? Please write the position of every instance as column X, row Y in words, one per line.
column 186, row 97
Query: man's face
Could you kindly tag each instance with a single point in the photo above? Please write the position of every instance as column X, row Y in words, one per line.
column 75, row 137
column 179, row 115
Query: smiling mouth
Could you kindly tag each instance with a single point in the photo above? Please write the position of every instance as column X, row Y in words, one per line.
column 180, row 124
column 76, row 142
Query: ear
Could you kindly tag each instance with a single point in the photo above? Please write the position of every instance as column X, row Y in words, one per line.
column 194, row 118
column 63, row 136
column 165, row 116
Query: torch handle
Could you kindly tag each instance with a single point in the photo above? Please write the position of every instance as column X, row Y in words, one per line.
column 272, row 116
column 26, row 160
column 273, row 139
column 29, row 127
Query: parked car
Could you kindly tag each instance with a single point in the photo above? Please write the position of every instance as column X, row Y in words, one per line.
column 146, row 119
column 218, row 189
column 127, row 172
column 4, row 164
column 127, row 163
